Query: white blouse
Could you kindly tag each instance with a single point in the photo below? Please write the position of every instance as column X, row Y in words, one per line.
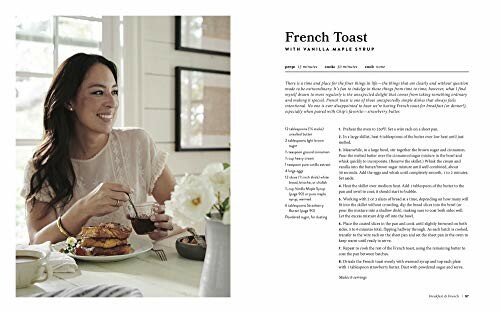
column 130, row 157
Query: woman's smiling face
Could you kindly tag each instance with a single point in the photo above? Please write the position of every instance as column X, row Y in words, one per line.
column 96, row 101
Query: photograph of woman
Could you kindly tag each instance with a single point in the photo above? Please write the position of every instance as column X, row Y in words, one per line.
column 123, row 156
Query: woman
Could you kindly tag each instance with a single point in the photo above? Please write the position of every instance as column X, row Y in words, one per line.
column 84, row 170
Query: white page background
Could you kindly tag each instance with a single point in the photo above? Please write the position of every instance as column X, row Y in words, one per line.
column 291, row 267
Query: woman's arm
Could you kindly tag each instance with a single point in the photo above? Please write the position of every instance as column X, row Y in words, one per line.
column 104, row 199
column 162, row 192
column 164, row 186
column 44, row 228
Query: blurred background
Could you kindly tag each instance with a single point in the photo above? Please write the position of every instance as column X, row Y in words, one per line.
column 144, row 49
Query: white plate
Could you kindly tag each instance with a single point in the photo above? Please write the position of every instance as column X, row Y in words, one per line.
column 138, row 245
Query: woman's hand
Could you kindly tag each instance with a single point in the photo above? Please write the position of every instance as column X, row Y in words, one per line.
column 104, row 199
column 162, row 222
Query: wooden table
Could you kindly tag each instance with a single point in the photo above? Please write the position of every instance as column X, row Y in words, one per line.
column 178, row 277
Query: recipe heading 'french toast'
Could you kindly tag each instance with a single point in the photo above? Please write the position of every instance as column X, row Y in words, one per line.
column 323, row 37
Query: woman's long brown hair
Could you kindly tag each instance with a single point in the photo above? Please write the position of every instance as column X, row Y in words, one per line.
column 51, row 159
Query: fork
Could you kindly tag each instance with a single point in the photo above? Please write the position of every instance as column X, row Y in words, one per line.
column 160, row 253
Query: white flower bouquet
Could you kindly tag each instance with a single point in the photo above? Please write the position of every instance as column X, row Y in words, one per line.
column 196, row 196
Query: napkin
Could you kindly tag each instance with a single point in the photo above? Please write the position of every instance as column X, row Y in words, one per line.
column 102, row 290
column 60, row 262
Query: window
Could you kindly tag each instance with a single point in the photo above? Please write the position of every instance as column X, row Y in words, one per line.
column 42, row 44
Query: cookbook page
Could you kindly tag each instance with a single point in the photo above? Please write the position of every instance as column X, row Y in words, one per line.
column 379, row 129
column 364, row 152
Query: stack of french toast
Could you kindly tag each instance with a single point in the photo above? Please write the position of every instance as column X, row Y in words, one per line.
column 104, row 239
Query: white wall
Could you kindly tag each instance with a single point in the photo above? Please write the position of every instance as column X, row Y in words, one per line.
column 150, row 59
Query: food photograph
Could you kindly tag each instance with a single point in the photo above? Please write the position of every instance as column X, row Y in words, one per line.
column 123, row 156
